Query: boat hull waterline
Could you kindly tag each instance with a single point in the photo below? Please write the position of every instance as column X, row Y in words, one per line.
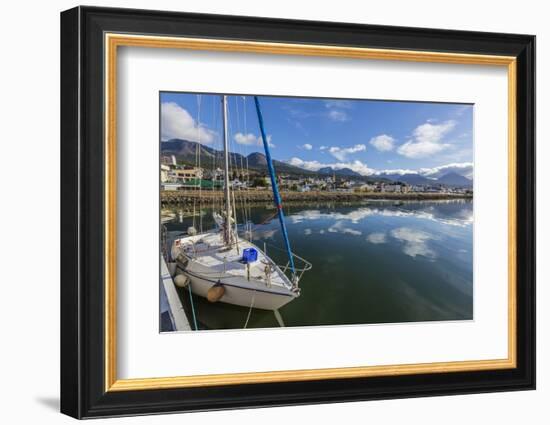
column 206, row 262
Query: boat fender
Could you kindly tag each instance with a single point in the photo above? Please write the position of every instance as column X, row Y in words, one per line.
column 182, row 260
column 181, row 281
column 215, row 293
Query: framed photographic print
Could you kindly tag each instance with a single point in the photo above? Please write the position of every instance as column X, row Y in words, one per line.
column 261, row 212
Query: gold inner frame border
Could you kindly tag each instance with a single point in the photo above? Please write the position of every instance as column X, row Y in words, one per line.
column 113, row 40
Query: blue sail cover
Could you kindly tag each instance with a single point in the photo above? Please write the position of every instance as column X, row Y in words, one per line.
column 276, row 195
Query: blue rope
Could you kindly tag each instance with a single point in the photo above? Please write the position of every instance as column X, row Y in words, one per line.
column 192, row 306
column 276, row 195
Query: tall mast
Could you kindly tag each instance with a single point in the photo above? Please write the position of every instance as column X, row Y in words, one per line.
column 227, row 224
column 276, row 195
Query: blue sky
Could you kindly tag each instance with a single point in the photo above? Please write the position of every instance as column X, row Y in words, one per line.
column 368, row 136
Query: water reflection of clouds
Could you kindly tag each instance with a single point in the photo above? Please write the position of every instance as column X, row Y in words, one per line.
column 462, row 219
column 340, row 227
column 377, row 237
column 353, row 216
column 415, row 241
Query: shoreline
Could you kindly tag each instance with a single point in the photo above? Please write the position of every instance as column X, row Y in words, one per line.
column 174, row 197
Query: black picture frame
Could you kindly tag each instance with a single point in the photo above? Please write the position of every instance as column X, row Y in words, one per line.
column 83, row 392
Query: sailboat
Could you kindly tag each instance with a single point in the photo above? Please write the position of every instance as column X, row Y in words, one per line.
column 222, row 266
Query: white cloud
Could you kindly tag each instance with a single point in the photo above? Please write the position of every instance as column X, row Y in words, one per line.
column 177, row 123
column 415, row 241
column 357, row 166
column 377, row 238
column 398, row 171
column 427, row 140
column 465, row 169
column 306, row 146
column 271, row 145
column 420, row 149
column 429, row 132
column 248, row 139
column 382, row 142
column 341, row 153
column 339, row 116
column 322, row 148
column 308, row 165
column 251, row 139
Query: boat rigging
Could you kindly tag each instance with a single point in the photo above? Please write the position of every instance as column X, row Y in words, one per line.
column 223, row 266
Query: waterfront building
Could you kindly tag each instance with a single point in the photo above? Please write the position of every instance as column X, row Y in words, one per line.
column 164, row 173
column 391, row 188
column 187, row 173
column 367, row 187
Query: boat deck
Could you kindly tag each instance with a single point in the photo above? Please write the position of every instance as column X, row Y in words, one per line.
column 208, row 251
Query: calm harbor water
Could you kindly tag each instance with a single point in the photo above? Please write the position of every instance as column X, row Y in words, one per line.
column 375, row 262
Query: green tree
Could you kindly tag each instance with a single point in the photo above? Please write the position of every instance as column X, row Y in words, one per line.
column 259, row 182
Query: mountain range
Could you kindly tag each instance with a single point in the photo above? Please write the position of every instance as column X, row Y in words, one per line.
column 451, row 179
column 413, row 179
column 340, row 172
column 185, row 152
column 454, row 179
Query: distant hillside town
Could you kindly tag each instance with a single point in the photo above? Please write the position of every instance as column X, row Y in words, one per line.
column 180, row 170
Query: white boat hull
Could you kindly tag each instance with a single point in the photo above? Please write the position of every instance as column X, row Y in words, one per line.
column 243, row 296
column 246, row 286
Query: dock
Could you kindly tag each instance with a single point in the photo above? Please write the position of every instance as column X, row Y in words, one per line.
column 207, row 197
column 173, row 317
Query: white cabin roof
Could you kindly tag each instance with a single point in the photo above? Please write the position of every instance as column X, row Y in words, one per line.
column 208, row 250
